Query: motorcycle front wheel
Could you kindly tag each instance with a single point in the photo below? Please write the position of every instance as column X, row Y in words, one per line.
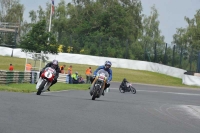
column 41, row 87
column 96, row 88
column 133, row 90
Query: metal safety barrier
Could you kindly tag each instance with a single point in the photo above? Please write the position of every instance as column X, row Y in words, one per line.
column 7, row 77
column 63, row 78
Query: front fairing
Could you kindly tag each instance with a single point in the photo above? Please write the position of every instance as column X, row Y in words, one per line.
column 49, row 74
column 46, row 85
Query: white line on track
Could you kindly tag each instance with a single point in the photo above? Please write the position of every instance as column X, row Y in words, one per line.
column 176, row 93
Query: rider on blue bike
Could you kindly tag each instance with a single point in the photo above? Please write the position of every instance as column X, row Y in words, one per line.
column 106, row 67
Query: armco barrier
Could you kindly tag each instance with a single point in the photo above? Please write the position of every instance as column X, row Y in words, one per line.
column 7, row 77
column 191, row 79
column 63, row 78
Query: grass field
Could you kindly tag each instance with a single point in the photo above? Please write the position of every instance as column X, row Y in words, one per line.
column 28, row 88
column 134, row 76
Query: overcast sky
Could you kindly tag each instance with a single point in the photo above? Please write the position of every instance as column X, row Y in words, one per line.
column 171, row 12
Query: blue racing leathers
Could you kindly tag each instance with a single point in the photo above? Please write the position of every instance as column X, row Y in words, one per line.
column 108, row 70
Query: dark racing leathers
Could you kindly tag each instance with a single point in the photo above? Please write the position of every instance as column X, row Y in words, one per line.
column 124, row 84
column 57, row 72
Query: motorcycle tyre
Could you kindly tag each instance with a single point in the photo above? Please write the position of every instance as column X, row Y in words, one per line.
column 121, row 90
column 133, row 90
column 95, row 93
column 41, row 87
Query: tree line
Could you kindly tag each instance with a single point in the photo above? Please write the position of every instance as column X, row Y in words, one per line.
column 111, row 28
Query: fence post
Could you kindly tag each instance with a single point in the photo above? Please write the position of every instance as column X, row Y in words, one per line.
column 15, row 41
column 145, row 50
column 173, row 54
column 181, row 54
column 198, row 63
column 165, row 56
column 127, row 49
column 100, row 46
column 155, row 53
column 190, row 60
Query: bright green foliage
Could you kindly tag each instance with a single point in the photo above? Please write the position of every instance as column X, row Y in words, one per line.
column 38, row 39
column 99, row 27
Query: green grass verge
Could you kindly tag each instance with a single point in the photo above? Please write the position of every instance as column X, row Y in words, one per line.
column 134, row 76
column 28, row 88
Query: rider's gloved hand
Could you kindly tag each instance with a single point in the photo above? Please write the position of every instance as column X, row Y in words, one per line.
column 55, row 78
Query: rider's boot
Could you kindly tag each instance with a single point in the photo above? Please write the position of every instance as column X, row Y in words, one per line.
column 49, row 87
column 103, row 93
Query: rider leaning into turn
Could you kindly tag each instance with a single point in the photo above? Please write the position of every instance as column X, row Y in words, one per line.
column 124, row 84
column 106, row 67
column 54, row 65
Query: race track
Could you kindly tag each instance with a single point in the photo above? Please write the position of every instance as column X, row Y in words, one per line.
column 153, row 109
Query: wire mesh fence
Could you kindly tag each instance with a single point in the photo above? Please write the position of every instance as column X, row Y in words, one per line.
column 167, row 54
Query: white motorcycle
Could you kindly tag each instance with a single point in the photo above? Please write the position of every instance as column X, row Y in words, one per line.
column 99, row 83
column 45, row 80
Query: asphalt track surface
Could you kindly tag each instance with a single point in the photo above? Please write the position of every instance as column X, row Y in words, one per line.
column 153, row 109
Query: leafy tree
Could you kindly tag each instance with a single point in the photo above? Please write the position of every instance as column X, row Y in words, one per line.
column 11, row 11
column 188, row 41
column 96, row 23
column 41, row 14
column 151, row 35
column 60, row 21
column 104, row 25
column 193, row 30
column 39, row 39
column 33, row 16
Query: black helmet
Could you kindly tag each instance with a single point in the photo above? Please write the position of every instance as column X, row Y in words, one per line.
column 124, row 80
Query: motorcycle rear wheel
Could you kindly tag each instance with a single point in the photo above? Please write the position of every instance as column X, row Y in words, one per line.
column 121, row 90
column 41, row 87
column 133, row 90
